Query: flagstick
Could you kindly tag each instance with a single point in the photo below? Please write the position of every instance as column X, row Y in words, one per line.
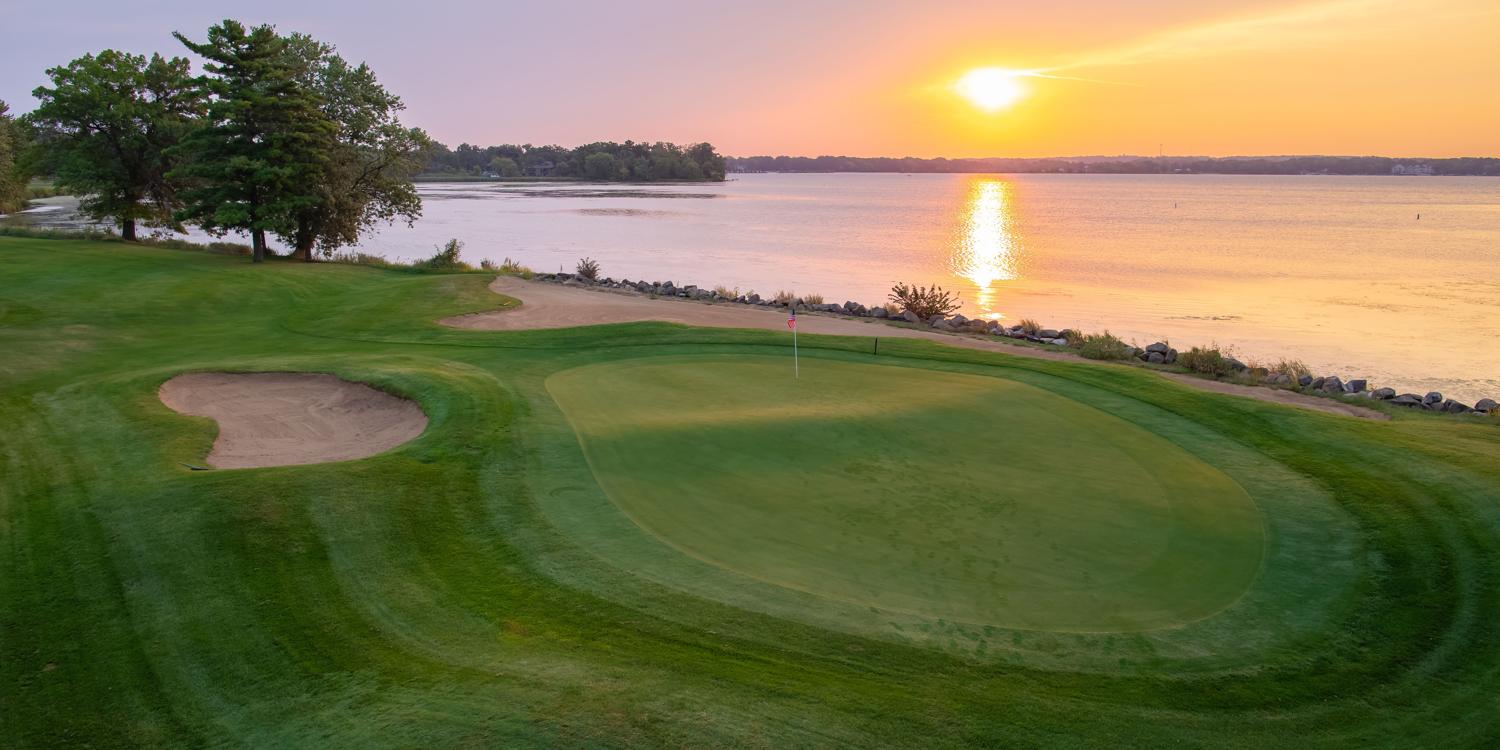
column 796, row 364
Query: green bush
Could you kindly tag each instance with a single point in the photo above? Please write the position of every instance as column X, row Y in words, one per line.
column 1103, row 346
column 1208, row 360
column 447, row 258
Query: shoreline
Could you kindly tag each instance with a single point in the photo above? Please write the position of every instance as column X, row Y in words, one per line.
column 559, row 302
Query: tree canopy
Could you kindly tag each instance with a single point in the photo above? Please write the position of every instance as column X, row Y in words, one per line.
column 366, row 176
column 108, row 126
column 259, row 157
column 602, row 161
column 12, row 187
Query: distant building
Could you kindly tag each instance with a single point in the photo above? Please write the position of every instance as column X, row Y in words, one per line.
column 1419, row 170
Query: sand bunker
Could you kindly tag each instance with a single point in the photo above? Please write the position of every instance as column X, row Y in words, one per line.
column 287, row 418
column 546, row 305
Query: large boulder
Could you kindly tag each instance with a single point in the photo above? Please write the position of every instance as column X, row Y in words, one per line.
column 1047, row 333
column 911, row 317
column 1304, row 380
column 1454, row 407
column 1332, row 384
column 1156, row 358
column 1407, row 399
column 957, row 320
column 1170, row 355
column 1356, row 385
column 1487, row 405
column 879, row 312
column 1384, row 394
column 1239, row 366
column 1432, row 397
column 1158, row 347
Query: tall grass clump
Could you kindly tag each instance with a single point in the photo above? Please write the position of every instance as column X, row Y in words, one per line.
column 447, row 258
column 813, row 299
column 1293, row 368
column 1104, row 346
column 926, row 302
column 1029, row 326
column 724, row 291
column 784, row 297
column 507, row 267
column 1206, row 360
column 587, row 268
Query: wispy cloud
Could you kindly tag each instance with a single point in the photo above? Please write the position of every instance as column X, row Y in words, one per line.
column 1291, row 25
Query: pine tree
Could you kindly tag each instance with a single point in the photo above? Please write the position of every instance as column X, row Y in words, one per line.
column 255, row 162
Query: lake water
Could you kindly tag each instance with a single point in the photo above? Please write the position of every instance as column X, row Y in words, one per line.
column 1339, row 272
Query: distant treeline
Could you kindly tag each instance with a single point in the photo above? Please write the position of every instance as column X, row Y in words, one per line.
column 1289, row 165
column 605, row 161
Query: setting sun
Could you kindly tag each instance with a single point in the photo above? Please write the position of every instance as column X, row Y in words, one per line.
column 991, row 89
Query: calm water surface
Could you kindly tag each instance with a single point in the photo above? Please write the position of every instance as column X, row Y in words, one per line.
column 1339, row 272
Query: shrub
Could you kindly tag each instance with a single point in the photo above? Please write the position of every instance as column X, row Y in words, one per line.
column 1104, row 346
column 588, row 268
column 1290, row 367
column 724, row 291
column 447, row 258
column 1209, row 360
column 1073, row 335
column 785, row 297
column 925, row 302
column 1029, row 326
column 892, row 309
column 813, row 299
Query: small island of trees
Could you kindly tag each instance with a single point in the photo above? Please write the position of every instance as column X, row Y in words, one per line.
column 603, row 162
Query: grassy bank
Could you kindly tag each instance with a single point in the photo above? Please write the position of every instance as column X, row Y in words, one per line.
column 513, row 576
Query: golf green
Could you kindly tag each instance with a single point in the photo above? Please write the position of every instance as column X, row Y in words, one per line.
column 951, row 496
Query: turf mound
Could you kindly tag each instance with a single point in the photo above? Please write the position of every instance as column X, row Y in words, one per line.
column 952, row 496
column 283, row 418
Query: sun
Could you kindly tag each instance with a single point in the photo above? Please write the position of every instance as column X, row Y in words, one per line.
column 991, row 89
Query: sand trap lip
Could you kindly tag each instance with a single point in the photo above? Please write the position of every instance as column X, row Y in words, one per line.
column 291, row 418
column 555, row 306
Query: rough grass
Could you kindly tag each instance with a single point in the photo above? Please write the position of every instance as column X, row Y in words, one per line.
column 443, row 594
column 1103, row 346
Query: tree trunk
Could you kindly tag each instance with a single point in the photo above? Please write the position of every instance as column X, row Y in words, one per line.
column 305, row 241
column 257, row 245
column 127, row 230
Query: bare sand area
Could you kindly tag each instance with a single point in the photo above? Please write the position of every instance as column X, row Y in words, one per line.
column 547, row 305
column 289, row 418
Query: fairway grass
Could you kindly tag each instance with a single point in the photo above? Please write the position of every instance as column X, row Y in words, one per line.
column 979, row 500
column 650, row 535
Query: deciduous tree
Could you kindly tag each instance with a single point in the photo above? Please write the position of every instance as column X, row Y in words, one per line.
column 108, row 124
column 366, row 178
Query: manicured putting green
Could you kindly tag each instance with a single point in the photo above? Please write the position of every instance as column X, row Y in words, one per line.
column 952, row 496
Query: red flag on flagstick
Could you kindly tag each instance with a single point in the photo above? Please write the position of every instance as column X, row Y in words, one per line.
column 791, row 322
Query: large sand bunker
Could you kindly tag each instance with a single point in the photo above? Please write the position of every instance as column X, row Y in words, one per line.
column 287, row 418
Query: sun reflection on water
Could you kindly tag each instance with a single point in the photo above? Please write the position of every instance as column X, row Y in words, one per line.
column 986, row 252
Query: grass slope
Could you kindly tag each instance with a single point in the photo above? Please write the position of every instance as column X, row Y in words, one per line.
column 469, row 589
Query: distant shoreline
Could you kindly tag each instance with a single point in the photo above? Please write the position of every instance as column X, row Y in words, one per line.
column 1369, row 166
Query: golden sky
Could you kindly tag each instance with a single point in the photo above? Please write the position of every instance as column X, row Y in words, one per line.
column 1333, row 76
column 875, row 77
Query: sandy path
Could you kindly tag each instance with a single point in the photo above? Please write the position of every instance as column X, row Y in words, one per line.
column 547, row 305
column 286, row 418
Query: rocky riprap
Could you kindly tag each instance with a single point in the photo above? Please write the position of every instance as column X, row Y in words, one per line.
column 1158, row 353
